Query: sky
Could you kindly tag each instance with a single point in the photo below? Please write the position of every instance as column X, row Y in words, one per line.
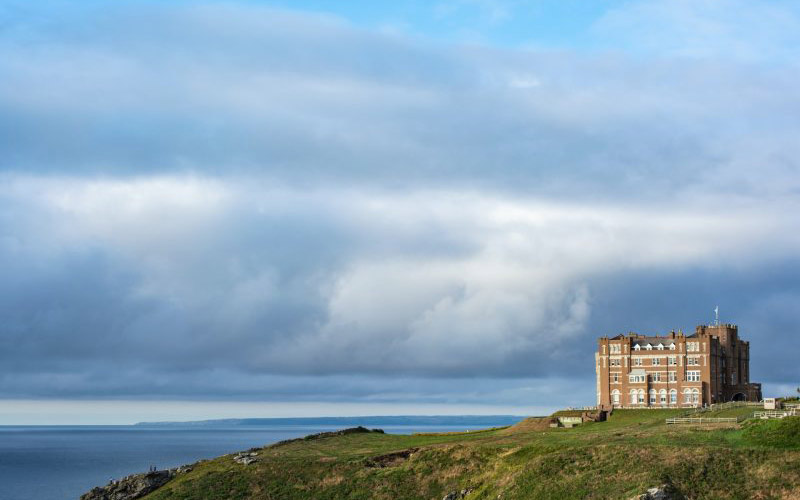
column 301, row 208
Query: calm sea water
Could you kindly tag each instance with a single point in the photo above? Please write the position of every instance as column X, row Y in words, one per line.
column 62, row 462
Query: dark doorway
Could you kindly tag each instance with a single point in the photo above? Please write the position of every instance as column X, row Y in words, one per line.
column 738, row 397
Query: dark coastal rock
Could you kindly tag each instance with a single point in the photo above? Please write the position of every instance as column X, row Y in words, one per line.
column 132, row 487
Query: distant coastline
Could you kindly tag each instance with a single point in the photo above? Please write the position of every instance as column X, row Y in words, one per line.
column 373, row 420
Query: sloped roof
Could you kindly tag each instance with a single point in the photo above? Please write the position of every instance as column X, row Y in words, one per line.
column 654, row 341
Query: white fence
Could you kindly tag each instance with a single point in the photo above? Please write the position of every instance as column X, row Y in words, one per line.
column 690, row 418
column 775, row 413
column 701, row 420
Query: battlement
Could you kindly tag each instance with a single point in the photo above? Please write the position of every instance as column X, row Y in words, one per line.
column 720, row 325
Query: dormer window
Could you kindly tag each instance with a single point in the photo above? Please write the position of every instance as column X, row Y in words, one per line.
column 648, row 347
column 660, row 346
column 637, row 347
column 672, row 346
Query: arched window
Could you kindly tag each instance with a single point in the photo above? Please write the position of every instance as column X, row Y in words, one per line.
column 641, row 396
column 615, row 397
column 662, row 396
column 673, row 396
column 687, row 396
column 652, row 396
column 695, row 396
column 633, row 397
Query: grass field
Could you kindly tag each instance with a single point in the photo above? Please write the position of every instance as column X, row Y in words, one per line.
column 736, row 412
column 619, row 458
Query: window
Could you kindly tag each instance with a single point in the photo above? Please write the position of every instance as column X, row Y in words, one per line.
column 656, row 377
column 615, row 397
column 671, row 360
column 652, row 396
column 687, row 396
column 693, row 346
column 695, row 396
column 641, row 396
column 656, row 361
column 648, row 347
column 637, row 347
column 673, row 396
column 672, row 377
column 614, row 348
column 662, row 396
column 660, row 347
column 693, row 376
column 672, row 346
column 636, row 379
column 637, row 362
column 733, row 378
column 693, row 361
column 614, row 362
column 634, row 398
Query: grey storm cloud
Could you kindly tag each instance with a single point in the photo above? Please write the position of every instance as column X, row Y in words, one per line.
column 232, row 201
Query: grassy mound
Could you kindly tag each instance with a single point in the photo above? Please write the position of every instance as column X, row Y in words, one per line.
column 620, row 458
column 780, row 433
column 532, row 424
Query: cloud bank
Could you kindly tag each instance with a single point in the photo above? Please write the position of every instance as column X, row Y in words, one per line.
column 230, row 201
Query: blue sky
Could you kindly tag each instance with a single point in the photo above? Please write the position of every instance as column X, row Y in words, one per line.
column 557, row 24
column 216, row 209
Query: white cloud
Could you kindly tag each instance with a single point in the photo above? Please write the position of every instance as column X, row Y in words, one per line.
column 264, row 193
column 432, row 282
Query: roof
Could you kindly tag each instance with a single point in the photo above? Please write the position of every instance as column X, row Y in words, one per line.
column 654, row 341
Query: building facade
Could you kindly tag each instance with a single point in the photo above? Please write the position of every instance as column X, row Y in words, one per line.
column 710, row 366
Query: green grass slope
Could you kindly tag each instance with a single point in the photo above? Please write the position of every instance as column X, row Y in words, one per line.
column 620, row 458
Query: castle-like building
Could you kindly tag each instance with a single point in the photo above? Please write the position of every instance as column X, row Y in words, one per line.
column 710, row 366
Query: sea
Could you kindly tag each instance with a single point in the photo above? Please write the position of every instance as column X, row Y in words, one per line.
column 63, row 462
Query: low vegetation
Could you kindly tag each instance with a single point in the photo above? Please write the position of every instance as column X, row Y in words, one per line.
column 621, row 458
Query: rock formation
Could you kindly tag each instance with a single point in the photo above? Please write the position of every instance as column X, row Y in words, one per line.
column 663, row 492
column 134, row 486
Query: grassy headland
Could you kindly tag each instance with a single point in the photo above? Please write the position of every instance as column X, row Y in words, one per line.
column 620, row 458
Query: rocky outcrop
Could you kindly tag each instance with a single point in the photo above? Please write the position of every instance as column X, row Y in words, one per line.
column 246, row 457
column 458, row 495
column 132, row 487
column 663, row 492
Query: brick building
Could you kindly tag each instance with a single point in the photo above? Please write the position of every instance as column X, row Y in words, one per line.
column 710, row 366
